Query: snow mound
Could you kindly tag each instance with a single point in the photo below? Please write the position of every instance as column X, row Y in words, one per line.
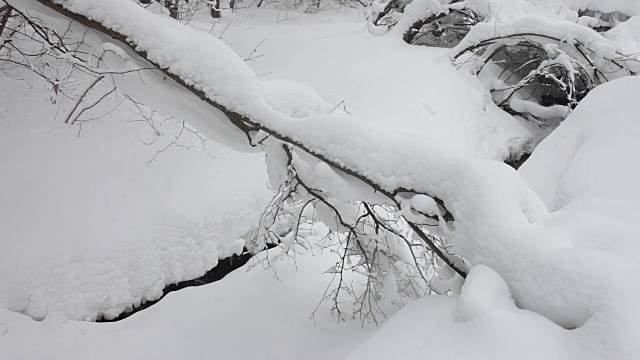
column 294, row 99
column 582, row 258
column 590, row 155
column 484, row 290
column 248, row 315
column 483, row 323
column 93, row 225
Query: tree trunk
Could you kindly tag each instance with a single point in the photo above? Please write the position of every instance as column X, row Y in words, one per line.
column 251, row 126
column 5, row 18
column 173, row 9
column 172, row 5
column 215, row 10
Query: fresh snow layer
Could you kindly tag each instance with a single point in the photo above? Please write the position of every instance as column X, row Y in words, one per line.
column 591, row 155
column 262, row 313
column 91, row 225
column 385, row 157
column 384, row 82
column 409, row 90
column 586, row 251
column 574, row 266
column 483, row 323
column 372, row 91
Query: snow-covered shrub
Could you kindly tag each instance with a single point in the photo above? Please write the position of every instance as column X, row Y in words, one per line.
column 537, row 59
column 440, row 28
column 446, row 31
column 184, row 10
column 599, row 21
column 385, row 14
column 541, row 68
column 307, row 6
column 535, row 80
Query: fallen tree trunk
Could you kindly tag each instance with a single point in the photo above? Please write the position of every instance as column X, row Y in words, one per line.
column 251, row 127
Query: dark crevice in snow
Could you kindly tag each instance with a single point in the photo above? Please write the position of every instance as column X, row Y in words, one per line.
column 224, row 267
column 516, row 163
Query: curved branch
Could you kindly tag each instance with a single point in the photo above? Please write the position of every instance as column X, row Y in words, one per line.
column 245, row 124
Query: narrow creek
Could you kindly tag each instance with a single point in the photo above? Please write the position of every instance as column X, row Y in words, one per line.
column 224, row 267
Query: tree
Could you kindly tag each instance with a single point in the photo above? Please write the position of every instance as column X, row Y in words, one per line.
column 215, row 9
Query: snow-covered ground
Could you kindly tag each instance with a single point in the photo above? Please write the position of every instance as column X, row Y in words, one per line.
column 94, row 221
column 408, row 89
column 101, row 217
column 247, row 315
column 581, row 171
column 183, row 197
column 92, row 225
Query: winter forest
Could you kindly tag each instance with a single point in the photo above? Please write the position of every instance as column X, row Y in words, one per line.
column 319, row 179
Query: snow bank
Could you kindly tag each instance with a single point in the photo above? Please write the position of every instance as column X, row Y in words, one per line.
column 483, row 323
column 261, row 313
column 590, row 156
column 294, row 99
column 583, row 257
column 91, row 227
column 627, row 35
column 230, row 82
column 501, row 11
column 627, row 7
column 508, row 10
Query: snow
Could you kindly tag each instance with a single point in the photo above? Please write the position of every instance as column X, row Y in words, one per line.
column 230, row 82
column 294, row 99
column 91, row 226
column 524, row 106
column 602, row 139
column 628, row 7
column 115, row 48
column 483, row 323
column 249, row 314
column 627, row 35
column 580, row 171
column 566, row 31
column 552, row 248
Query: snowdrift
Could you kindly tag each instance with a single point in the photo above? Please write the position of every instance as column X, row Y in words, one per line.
column 582, row 173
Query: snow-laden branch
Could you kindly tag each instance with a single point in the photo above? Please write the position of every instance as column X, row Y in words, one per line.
column 601, row 48
column 391, row 164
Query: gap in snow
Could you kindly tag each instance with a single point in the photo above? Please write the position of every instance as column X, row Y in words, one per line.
column 516, row 163
column 224, row 267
